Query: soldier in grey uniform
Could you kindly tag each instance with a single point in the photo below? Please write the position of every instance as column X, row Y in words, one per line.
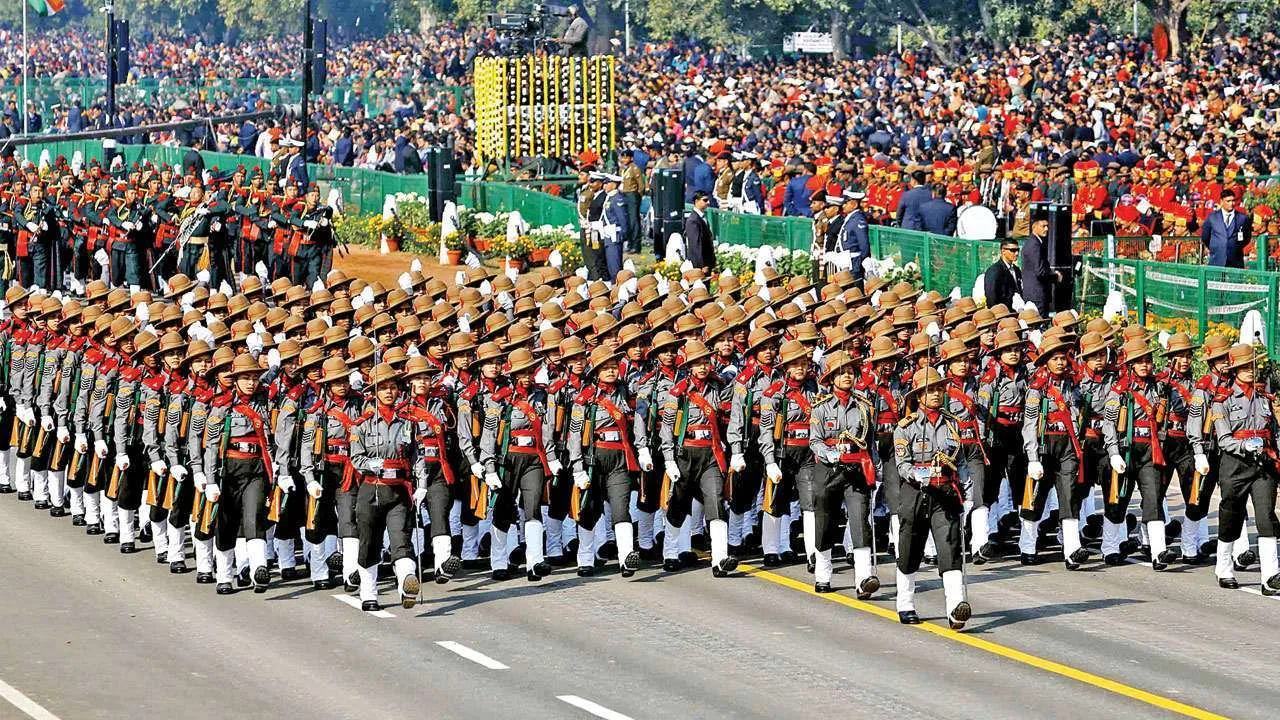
column 137, row 400
column 743, row 435
column 693, row 448
column 101, row 411
column 47, row 482
column 1132, row 431
column 1096, row 378
column 70, row 370
column 926, row 445
column 203, row 507
column 841, row 436
column 384, row 449
column 569, row 381
column 650, row 396
column 1002, row 391
column 96, row 356
column 957, row 358
column 519, row 423
column 1051, row 430
column 26, row 344
column 237, row 457
column 472, row 399
column 290, row 395
column 883, row 386
column 186, row 380
column 15, row 299
column 784, row 448
column 607, row 446
column 1244, row 424
column 429, row 408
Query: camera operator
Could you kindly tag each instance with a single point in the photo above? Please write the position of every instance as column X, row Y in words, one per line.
column 574, row 41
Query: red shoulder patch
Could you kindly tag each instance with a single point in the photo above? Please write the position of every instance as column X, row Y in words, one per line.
column 774, row 389
column 222, row 401
column 469, row 392
column 502, row 394
column 130, row 373
column 587, row 395
column 679, row 389
column 177, row 385
column 155, row 382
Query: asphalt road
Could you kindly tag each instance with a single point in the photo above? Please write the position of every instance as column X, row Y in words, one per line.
column 90, row 633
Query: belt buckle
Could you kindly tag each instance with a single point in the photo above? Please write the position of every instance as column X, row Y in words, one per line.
column 611, row 436
column 390, row 474
column 523, row 441
column 431, row 451
column 800, row 434
column 701, row 434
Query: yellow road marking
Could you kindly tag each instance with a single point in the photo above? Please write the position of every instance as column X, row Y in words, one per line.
column 1009, row 653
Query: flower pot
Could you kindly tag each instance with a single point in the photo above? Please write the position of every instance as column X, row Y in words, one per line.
column 539, row 255
column 514, row 263
column 453, row 256
column 482, row 244
column 390, row 244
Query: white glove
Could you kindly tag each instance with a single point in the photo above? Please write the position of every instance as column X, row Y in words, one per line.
column 1035, row 470
column 159, row 467
column 324, row 222
column 646, row 459
column 82, row 443
column 581, row 479
column 179, row 472
column 492, row 480
column 122, row 462
column 201, row 481
column 314, row 489
column 1202, row 464
column 100, row 449
column 554, row 466
column 46, row 423
column 737, row 463
column 773, row 472
column 273, row 358
column 212, row 493
column 202, row 211
column 4, row 404
column 477, row 470
column 31, row 227
column 419, row 496
column 1117, row 464
column 312, row 224
column 375, row 464
column 285, row 482
column 921, row 476
column 673, row 471
column 64, row 435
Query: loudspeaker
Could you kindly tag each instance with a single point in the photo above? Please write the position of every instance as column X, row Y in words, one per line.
column 442, row 180
column 120, row 62
column 319, row 53
column 668, row 206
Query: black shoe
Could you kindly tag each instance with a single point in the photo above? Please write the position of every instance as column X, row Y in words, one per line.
column 531, row 575
column 1091, row 533
column 204, row 578
column 868, row 587
column 908, row 617
column 1169, row 556
column 6, row 489
column 1196, row 559
column 1131, row 522
column 261, row 578
column 24, row 497
column 77, row 521
column 334, row 563
column 985, row 554
column 325, row 584
column 736, row 550
column 351, row 583
column 838, row 552
column 652, row 554
column 543, row 568
column 128, row 548
column 178, row 568
column 1209, row 549
column 810, row 563
column 1272, row 582
column 772, row 560
column 409, row 589
column 958, row 617
column 144, row 534
column 1028, row 559
column 448, row 569
column 1268, row 591
column 1077, row 558
column 161, row 559
column 1173, row 528
column 930, row 559
column 688, row 558
column 1229, row 583
column 111, row 538
column 1114, row 559
column 94, row 529
column 725, row 567
column 788, row 557
column 630, row 564
column 518, row 557
column 1130, row 547
column 57, row 512
column 608, row 551
column 242, row 580
column 671, row 565
column 560, row 560
column 501, row 574
column 293, row 573
column 42, row 505
column 820, row 587
column 1247, row 558
column 751, row 541
column 225, row 589
column 1159, row 566
column 586, row 571
column 370, row 606
column 476, row 564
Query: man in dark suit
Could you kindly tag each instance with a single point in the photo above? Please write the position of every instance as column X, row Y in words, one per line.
column 1038, row 279
column 700, row 247
column 938, row 215
column 1226, row 231
column 909, row 217
column 1003, row 279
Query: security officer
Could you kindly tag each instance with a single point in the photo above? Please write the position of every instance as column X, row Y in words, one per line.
column 926, row 444
column 607, row 446
column 384, row 450
column 841, row 436
column 615, row 225
column 633, row 188
column 1245, row 426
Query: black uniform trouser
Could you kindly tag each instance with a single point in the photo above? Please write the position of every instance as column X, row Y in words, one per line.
column 183, row 495
column 6, row 422
column 1008, row 462
column 40, row 456
column 325, row 516
column 920, row 513
column 610, row 480
column 383, row 508
column 973, row 460
column 523, row 474
column 242, row 510
column 700, row 477
column 1179, row 457
column 746, row 484
column 81, row 464
column 133, row 480
column 631, row 201
column 187, row 264
column 306, row 265
column 650, row 500
column 462, row 489
column 889, row 472
column 1061, row 473
column 42, row 261
column 1140, row 474
column 294, row 514
column 124, row 264
column 797, row 482
column 835, row 485
column 438, row 501
column 1243, row 478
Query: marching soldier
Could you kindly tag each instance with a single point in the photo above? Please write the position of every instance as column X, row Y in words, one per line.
column 70, row 370
column 842, row 438
column 746, row 464
column 957, row 359
column 102, row 411
column 926, row 445
column 785, row 411
column 187, row 379
column 135, row 429
column 1179, row 456
column 1096, row 380
column 290, row 394
column 429, row 407
column 650, row 397
column 570, row 382
column 1002, row 394
column 1214, row 386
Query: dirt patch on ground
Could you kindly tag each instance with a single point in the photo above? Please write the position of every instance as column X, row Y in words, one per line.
column 370, row 265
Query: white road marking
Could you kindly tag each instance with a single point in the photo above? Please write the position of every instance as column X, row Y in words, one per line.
column 594, row 708
column 474, row 656
column 1258, row 592
column 32, row 708
column 353, row 602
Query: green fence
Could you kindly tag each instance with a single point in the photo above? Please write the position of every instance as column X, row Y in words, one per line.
column 793, row 233
column 537, row 208
column 945, row 262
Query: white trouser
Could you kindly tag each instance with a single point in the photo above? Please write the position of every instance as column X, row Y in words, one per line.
column 498, row 555
column 719, row 541
column 644, row 521
column 470, row 542
column 533, row 533
column 979, row 522
column 110, row 514
column 160, row 539
column 671, row 539
column 127, row 519
column 822, row 568
column 368, row 583
column 22, row 474
column 174, row 538
column 6, row 456
column 441, row 548
column 906, row 599
column 39, row 486
column 863, row 567
column 1027, row 539
column 552, row 528
column 92, row 507
column 1267, row 557
column 204, row 555
column 809, row 525
column 226, row 562
column 350, row 551
column 953, row 588
column 1113, row 534
column 1070, row 536
column 1155, row 537
column 57, row 480
column 770, row 532
column 318, row 558
column 1189, row 536
column 697, row 519
column 285, row 554
column 404, row 567
column 625, row 533
column 257, row 553
column 586, row 548
column 784, row 533
column 75, row 498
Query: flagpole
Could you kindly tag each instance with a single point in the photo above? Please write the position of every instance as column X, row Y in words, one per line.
column 26, row 57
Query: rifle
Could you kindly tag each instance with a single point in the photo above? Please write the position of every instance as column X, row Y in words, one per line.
column 1031, row 488
column 581, row 496
column 1125, row 424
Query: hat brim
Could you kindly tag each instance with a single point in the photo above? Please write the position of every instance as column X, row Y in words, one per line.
column 829, row 373
column 1049, row 350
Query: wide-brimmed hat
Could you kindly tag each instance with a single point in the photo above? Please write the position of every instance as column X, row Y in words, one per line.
column 662, row 340
column 179, row 284
column 923, row 379
column 359, row 349
column 1179, row 343
column 310, row 357
column 758, row 338
column 793, row 350
column 1007, row 339
column 883, row 348
column 955, row 348
column 1215, row 346
column 416, row 367
column 1092, row 343
column 1100, row 326
column 245, row 364
column 631, row 334
column 1053, row 341
column 835, row 362
column 223, row 358
column 600, row 357
column 1241, row 355
column 520, row 360
column 334, row 369
column 460, row 343
column 1136, row 349
column 383, row 373
column 488, row 351
column 196, row 349
column 694, row 351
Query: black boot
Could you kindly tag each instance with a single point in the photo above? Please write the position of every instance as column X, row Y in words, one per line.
column 261, row 578
column 772, row 560
column 178, row 568
column 42, row 505
column 57, row 512
column 77, row 521
column 94, row 529
column 908, row 617
column 225, row 589
column 630, row 564
column 128, row 548
column 724, row 567
column 204, row 578
column 868, row 587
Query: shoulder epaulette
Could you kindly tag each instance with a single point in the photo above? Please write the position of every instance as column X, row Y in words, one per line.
column 130, row 373
column 469, row 392
column 222, row 401
column 679, row 389
column 502, row 394
column 155, row 383
column 907, row 420
column 775, row 388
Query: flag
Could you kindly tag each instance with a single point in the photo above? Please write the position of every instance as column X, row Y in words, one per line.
column 47, row 7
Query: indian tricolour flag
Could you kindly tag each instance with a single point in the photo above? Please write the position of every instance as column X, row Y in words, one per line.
column 48, row 7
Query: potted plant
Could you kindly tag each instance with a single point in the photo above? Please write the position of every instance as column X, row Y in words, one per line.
column 453, row 248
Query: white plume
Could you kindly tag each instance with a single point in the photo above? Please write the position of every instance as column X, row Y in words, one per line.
column 582, row 273
column 486, row 288
column 1034, row 336
column 979, row 293
column 955, row 293
column 473, row 260
column 516, row 226
column 1018, row 303
column 415, row 266
column 464, row 322
column 933, row 331
column 142, row 313
column 405, row 282
column 317, row 285
column 555, row 259
column 875, row 298
column 628, row 264
column 260, row 269
column 225, row 289
column 764, row 257
column 1163, row 339
column 459, row 278
column 1114, row 310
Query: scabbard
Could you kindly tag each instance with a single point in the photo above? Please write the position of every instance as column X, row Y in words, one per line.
column 313, row 507
column 59, row 449
column 276, row 504
column 92, row 480
column 113, row 485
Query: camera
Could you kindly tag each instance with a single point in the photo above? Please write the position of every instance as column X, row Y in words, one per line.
column 524, row 33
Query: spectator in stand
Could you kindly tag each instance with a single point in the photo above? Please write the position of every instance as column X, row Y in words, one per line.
column 1226, row 232
column 938, row 214
column 909, row 217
